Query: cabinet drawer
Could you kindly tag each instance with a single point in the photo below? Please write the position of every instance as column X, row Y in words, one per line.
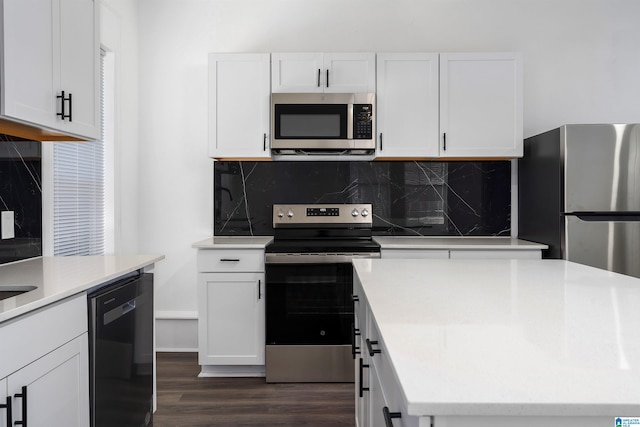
column 32, row 335
column 415, row 254
column 234, row 260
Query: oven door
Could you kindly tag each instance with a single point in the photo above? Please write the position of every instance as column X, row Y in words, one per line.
column 309, row 303
column 309, row 315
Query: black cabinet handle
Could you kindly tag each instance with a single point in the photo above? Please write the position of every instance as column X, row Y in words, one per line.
column 7, row 407
column 370, row 345
column 380, row 141
column 355, row 298
column 229, row 260
column 264, row 142
column 259, row 289
column 389, row 416
column 22, row 395
column 318, row 77
column 70, row 108
column 354, row 333
column 63, row 100
column 361, row 386
column 327, row 77
column 444, row 141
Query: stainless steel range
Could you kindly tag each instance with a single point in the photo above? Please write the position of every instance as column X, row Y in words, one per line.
column 309, row 286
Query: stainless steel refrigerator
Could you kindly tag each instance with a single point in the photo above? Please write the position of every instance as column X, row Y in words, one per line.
column 579, row 192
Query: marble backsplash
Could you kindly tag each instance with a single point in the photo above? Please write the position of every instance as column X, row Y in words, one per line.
column 409, row 198
column 21, row 193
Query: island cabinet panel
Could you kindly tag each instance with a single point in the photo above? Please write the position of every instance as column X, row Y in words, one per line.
column 56, row 387
column 231, row 312
column 45, row 355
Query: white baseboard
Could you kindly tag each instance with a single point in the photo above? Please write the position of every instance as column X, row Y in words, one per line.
column 231, row 371
column 177, row 331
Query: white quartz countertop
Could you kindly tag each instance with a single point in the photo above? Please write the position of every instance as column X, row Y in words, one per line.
column 456, row 242
column 233, row 242
column 56, row 278
column 508, row 337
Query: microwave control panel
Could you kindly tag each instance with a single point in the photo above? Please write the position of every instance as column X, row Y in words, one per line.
column 362, row 121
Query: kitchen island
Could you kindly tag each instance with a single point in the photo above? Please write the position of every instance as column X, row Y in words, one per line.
column 495, row 343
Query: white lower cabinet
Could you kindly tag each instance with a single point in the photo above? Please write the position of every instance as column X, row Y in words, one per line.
column 44, row 367
column 6, row 419
column 54, row 389
column 231, row 316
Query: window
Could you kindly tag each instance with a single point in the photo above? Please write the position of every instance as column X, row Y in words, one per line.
column 79, row 193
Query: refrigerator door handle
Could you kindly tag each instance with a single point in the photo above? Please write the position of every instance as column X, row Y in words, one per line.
column 605, row 216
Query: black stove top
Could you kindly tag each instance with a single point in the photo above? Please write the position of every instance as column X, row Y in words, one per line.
column 322, row 229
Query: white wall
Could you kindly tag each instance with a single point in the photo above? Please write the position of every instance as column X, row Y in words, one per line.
column 581, row 64
column 119, row 35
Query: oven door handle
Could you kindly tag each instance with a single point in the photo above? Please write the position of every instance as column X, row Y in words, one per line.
column 278, row 258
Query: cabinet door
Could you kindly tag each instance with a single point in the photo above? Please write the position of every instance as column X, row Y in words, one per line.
column 57, row 387
column 297, row 72
column 4, row 408
column 376, row 399
column 407, row 105
column 349, row 72
column 80, row 66
column 239, row 103
column 481, row 105
column 231, row 319
column 28, row 91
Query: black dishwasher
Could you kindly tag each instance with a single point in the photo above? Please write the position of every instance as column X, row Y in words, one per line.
column 121, row 352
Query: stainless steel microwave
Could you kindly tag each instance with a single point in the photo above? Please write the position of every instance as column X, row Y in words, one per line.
column 323, row 123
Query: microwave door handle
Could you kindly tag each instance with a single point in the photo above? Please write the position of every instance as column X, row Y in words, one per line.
column 349, row 121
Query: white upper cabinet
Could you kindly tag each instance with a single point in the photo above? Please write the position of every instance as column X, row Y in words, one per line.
column 407, row 101
column 481, row 105
column 449, row 105
column 323, row 72
column 80, row 66
column 47, row 53
column 239, row 103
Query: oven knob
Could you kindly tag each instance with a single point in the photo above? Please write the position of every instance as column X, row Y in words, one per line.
column 290, row 213
column 354, row 213
column 280, row 214
column 364, row 213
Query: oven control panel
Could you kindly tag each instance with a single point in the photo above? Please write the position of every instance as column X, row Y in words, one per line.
column 359, row 213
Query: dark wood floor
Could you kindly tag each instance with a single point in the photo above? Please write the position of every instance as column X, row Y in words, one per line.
column 186, row 400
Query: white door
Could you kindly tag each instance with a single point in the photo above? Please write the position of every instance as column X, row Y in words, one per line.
column 57, row 387
column 80, row 66
column 239, row 104
column 5, row 402
column 481, row 104
column 407, row 105
column 231, row 319
column 297, row 72
column 27, row 90
column 349, row 72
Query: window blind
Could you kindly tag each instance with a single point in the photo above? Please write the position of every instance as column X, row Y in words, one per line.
column 79, row 194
